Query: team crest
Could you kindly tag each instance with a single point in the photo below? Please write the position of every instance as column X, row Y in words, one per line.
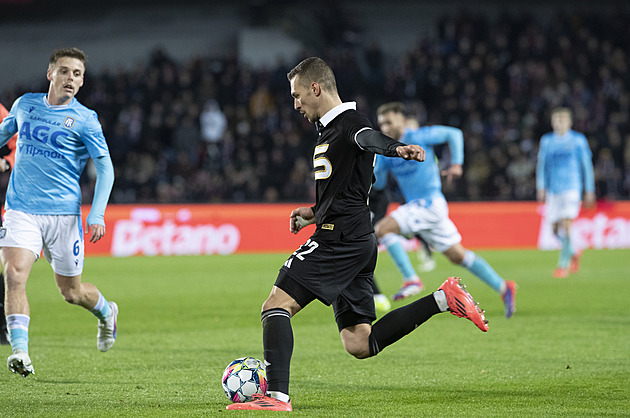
column 69, row 122
column 3, row 232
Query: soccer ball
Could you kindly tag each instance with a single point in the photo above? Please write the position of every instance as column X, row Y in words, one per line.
column 244, row 377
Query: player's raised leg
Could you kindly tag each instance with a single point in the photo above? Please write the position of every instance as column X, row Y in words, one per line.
column 363, row 342
column 89, row 297
column 461, row 303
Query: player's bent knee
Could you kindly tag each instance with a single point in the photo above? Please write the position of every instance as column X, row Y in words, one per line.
column 361, row 355
column 358, row 351
column 268, row 305
column 15, row 274
column 289, row 306
column 355, row 340
column 278, row 298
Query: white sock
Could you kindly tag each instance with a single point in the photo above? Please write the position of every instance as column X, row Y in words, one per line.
column 503, row 287
column 282, row 397
column 440, row 299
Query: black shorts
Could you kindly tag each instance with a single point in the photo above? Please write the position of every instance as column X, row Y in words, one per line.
column 338, row 273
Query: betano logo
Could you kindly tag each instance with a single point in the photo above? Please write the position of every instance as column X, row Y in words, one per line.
column 147, row 233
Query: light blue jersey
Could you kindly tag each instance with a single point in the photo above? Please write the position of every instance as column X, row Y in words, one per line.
column 53, row 146
column 420, row 180
column 564, row 163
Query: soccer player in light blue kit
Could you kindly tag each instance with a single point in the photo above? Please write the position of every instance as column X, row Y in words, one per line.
column 564, row 170
column 56, row 136
column 426, row 212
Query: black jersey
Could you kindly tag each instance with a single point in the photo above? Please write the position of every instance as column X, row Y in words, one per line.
column 343, row 177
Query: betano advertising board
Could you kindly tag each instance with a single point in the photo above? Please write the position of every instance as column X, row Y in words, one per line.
column 150, row 230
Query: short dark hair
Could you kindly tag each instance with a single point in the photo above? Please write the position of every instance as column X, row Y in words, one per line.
column 66, row 52
column 562, row 109
column 396, row 107
column 315, row 69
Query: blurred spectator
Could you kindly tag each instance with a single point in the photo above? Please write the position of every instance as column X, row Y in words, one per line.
column 213, row 126
column 607, row 175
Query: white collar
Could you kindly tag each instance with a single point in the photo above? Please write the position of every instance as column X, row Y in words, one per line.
column 63, row 106
column 336, row 111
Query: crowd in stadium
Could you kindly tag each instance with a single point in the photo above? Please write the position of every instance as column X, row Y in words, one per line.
column 214, row 130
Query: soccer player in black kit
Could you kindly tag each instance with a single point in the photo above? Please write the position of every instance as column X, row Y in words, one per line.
column 336, row 264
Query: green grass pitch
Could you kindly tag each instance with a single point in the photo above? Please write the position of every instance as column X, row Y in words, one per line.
column 566, row 351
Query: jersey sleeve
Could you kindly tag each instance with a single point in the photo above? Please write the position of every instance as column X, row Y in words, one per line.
column 353, row 123
column 377, row 142
column 454, row 137
column 357, row 129
column 93, row 137
column 541, row 165
column 586, row 161
column 10, row 157
column 8, row 126
column 102, row 190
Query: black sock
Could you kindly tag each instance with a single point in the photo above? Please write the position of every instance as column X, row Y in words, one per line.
column 400, row 322
column 278, row 346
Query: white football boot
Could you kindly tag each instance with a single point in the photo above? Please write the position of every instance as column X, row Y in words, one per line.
column 107, row 330
column 20, row 363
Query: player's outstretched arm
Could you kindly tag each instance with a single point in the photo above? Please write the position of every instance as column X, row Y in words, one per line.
column 379, row 143
column 300, row 218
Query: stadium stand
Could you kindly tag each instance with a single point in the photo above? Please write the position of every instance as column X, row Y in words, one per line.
column 496, row 76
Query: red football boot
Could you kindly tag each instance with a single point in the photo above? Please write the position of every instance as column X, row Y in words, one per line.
column 461, row 303
column 261, row 403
